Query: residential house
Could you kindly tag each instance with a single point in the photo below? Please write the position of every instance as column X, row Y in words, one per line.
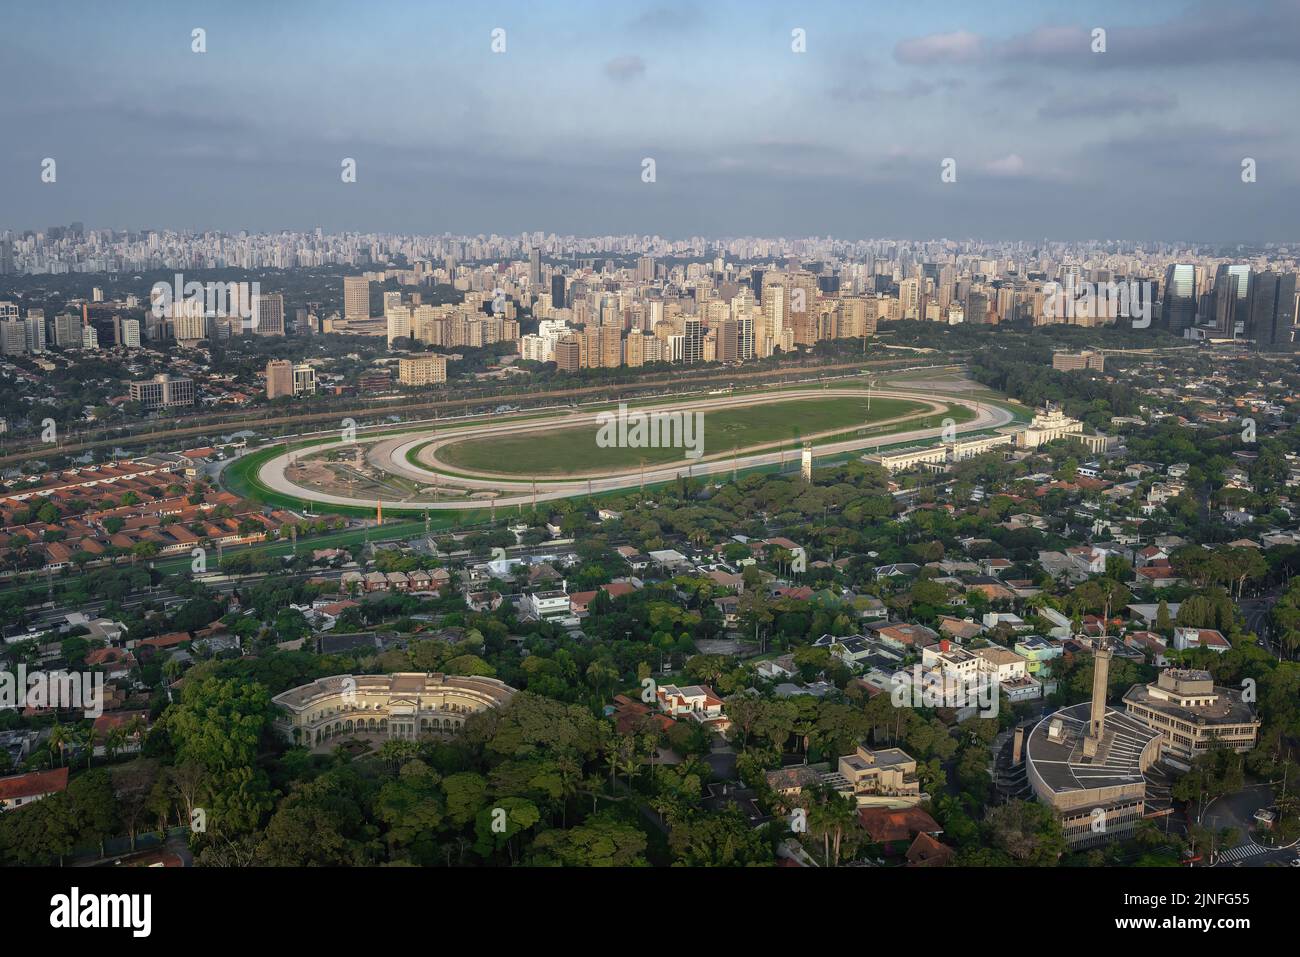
column 1186, row 638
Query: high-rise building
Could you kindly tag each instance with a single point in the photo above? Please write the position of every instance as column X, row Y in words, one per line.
column 13, row 337
column 65, row 330
column 356, row 297
column 557, row 290
column 728, row 344
column 1232, row 300
column 268, row 314
column 693, row 341
column 745, row 336
column 304, row 380
column 568, row 354
column 189, row 322
column 1273, row 311
column 1178, row 310
column 399, row 323
column 130, row 334
column 35, row 330
column 422, row 370
column 279, row 378
column 535, row 267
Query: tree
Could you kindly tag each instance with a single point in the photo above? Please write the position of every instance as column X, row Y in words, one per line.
column 1027, row 832
column 716, row 839
column 411, row 806
column 219, row 722
column 601, row 841
column 496, row 827
column 133, row 785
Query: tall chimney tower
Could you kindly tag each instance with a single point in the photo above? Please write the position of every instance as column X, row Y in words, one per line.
column 1097, row 723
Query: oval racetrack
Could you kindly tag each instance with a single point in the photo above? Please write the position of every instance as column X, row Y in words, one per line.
column 390, row 453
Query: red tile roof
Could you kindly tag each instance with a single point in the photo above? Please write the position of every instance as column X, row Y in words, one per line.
column 33, row 784
column 896, row 824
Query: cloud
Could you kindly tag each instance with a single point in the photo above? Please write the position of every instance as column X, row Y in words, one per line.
column 1109, row 104
column 625, row 68
column 1249, row 34
column 914, row 89
column 961, row 46
column 666, row 18
column 1009, row 165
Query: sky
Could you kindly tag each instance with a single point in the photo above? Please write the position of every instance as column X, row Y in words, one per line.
column 1050, row 139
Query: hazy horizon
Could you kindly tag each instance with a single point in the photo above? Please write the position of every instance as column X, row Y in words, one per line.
column 1052, row 142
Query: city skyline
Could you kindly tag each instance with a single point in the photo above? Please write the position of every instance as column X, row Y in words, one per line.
column 1049, row 138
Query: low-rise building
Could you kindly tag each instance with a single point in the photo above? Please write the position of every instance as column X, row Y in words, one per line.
column 884, row 778
column 696, row 702
column 1193, row 714
column 20, row 789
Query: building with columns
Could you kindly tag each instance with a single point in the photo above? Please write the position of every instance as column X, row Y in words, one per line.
column 404, row 706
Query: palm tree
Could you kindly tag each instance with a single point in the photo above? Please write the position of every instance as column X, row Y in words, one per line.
column 114, row 741
column 568, row 771
column 83, row 736
column 135, row 728
column 58, row 740
column 819, row 822
column 843, row 817
column 804, row 727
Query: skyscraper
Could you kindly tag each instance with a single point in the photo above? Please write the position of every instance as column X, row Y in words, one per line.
column 1272, row 311
column 1178, row 310
column 356, row 297
column 268, row 314
column 557, row 290
column 1232, row 300
column 534, row 267
column 279, row 378
column 693, row 342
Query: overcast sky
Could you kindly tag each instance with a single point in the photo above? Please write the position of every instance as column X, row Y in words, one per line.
column 1144, row 141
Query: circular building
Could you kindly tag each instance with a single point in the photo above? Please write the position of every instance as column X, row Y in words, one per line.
column 405, row 706
column 1088, row 763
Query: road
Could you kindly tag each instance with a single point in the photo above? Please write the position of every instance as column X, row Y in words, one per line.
column 162, row 433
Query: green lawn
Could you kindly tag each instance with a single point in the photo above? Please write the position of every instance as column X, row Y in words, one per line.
column 568, row 451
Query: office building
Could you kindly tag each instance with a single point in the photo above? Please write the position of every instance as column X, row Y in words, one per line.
column 1086, row 359
column 163, row 392
column 268, row 314
column 279, row 378
column 1272, row 311
column 1232, row 300
column 356, row 298
column 1178, row 309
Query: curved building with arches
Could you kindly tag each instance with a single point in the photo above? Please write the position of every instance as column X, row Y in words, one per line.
column 403, row 706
